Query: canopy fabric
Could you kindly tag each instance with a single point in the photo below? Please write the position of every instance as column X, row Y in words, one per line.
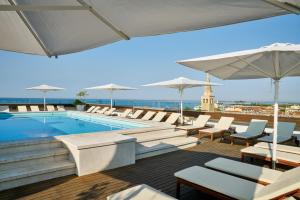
column 63, row 26
column 251, row 64
column 45, row 88
column 181, row 84
column 274, row 61
column 111, row 87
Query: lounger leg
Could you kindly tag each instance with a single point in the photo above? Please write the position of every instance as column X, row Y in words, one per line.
column 212, row 137
column 242, row 157
column 247, row 143
column 177, row 189
column 231, row 141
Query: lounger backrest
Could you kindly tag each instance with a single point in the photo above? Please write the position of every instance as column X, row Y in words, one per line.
column 22, row 108
column 256, row 127
column 288, row 182
column 61, row 108
column 103, row 110
column 50, row 108
column 224, row 123
column 125, row 113
column 110, row 111
column 286, row 129
column 159, row 116
column 201, row 120
column 148, row 115
column 4, row 109
column 172, row 119
column 34, row 109
column 95, row 109
column 137, row 114
column 90, row 109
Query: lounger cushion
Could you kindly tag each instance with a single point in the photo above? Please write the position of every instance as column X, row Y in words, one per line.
column 255, row 128
column 269, row 138
column 287, row 182
column 173, row 118
column 148, row 115
column 253, row 172
column 189, row 127
column 137, row 114
column 211, row 130
column 201, row 120
column 90, row 109
column 280, row 147
column 140, row 192
column 4, row 109
column 34, row 108
column 295, row 158
column 223, row 183
column 224, row 123
column 159, row 116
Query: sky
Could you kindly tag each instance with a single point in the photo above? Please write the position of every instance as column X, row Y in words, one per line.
column 150, row 59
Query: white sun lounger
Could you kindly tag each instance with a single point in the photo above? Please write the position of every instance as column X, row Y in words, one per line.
column 60, row 108
column 90, row 109
column 34, row 109
column 220, row 128
column 103, row 110
column 4, row 109
column 254, row 173
column 140, row 192
column 280, row 147
column 110, row 111
column 224, row 186
column 284, row 133
column 126, row 113
column 159, row 116
column 254, row 130
column 96, row 109
column 173, row 118
column 136, row 114
column 22, row 108
column 148, row 115
column 50, row 108
column 197, row 125
column 284, row 158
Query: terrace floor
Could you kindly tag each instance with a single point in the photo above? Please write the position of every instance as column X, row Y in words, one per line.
column 155, row 171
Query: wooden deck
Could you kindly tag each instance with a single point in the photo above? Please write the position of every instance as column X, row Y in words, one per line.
column 155, row 171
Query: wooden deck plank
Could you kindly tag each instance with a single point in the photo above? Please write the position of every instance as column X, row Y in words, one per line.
column 157, row 172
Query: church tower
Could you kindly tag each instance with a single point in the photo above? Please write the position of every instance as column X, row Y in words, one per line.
column 207, row 99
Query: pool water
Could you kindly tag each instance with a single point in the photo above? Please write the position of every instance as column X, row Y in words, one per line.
column 22, row 126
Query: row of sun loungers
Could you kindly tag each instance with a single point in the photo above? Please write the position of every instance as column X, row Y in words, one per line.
column 33, row 108
column 225, row 179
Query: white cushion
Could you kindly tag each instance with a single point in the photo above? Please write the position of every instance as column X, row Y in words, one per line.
column 226, row 184
column 4, row 109
column 140, row 192
column 224, row 123
column 201, row 120
column 244, row 170
column 280, row 147
column 255, row 128
column 295, row 158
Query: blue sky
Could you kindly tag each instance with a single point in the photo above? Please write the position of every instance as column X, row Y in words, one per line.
column 150, row 59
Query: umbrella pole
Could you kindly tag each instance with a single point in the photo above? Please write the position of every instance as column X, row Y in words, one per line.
column 275, row 125
column 181, row 107
column 111, row 101
column 44, row 101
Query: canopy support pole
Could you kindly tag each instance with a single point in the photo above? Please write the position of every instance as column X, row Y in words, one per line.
column 181, row 106
column 275, row 124
column 104, row 20
column 35, row 35
column 111, row 99
column 44, row 101
column 285, row 6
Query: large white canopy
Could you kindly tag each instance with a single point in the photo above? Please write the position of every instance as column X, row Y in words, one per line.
column 55, row 27
column 181, row 84
column 274, row 61
column 45, row 88
column 111, row 87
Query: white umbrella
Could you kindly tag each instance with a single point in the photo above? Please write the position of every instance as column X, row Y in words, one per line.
column 181, row 84
column 111, row 87
column 60, row 27
column 275, row 61
column 45, row 88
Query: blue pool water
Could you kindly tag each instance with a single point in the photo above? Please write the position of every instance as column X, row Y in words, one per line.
column 22, row 126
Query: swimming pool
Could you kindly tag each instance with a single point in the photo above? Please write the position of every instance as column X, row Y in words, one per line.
column 20, row 126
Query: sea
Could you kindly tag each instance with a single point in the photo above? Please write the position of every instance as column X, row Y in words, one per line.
column 168, row 104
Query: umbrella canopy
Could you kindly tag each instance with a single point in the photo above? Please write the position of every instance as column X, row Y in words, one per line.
column 111, row 87
column 274, row 61
column 61, row 26
column 181, row 84
column 45, row 88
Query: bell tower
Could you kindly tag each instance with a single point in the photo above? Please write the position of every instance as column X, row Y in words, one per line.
column 207, row 99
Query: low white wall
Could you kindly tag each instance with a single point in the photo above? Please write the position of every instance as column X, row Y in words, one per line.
column 96, row 152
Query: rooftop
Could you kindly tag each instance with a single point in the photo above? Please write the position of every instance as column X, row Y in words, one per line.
column 157, row 171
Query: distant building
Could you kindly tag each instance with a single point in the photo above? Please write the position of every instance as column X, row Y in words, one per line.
column 207, row 99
